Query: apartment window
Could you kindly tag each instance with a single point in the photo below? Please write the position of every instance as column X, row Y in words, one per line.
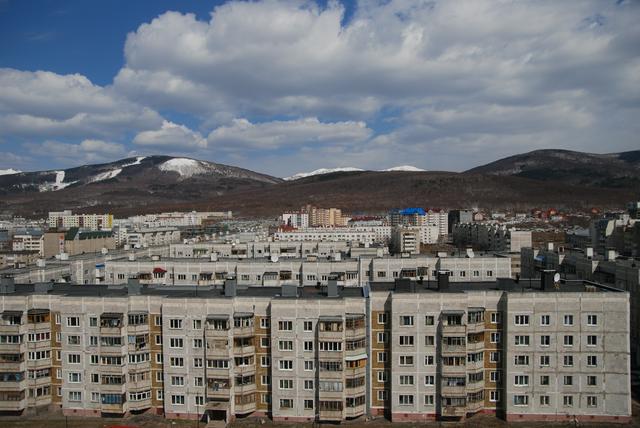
column 521, row 340
column 545, row 340
column 521, row 320
column 157, row 320
column 308, row 404
column 592, row 340
column 567, row 400
column 567, row 380
column 544, row 360
column 286, row 403
column 159, row 358
column 545, row 320
column 592, row 381
column 75, row 396
column 406, row 340
column 382, row 357
column 73, row 358
column 308, row 326
column 75, row 377
column 382, row 395
column 73, row 321
column 93, row 321
column 382, row 376
column 568, row 340
column 285, row 345
column 406, row 320
column 177, row 362
column 382, row 318
column 494, row 337
column 406, row 380
column 429, row 400
column 177, row 380
column 592, row 361
column 429, row 380
column 93, row 341
column 308, row 385
column 382, row 337
column 495, row 317
column 429, row 341
column 265, row 323
column 197, row 324
column 405, row 399
column 197, row 363
column 308, row 345
column 544, row 400
column 521, row 360
column 592, row 401
column 568, row 320
column 198, row 381
column 494, row 356
column 265, row 380
column 174, row 324
column 494, row 396
column 177, row 400
column 94, row 359
column 592, row 320
column 199, row 400
column 285, row 325
column 406, row 360
column 429, row 360
column 176, row 342
column 57, row 318
column 429, row 320
column 520, row 400
column 286, row 384
column 330, row 346
column 159, row 377
column 308, row 366
column 544, row 380
column 494, row 376
column 521, row 380
column 95, row 397
column 285, row 364
column 95, row 377
column 567, row 360
column 160, row 395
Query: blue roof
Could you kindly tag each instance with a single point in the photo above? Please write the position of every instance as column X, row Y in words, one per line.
column 412, row 211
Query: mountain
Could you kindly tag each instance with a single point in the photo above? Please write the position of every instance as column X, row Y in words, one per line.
column 405, row 168
column 132, row 183
column 613, row 170
column 9, row 171
column 322, row 171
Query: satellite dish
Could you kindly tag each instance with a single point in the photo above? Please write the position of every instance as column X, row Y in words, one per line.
column 556, row 277
column 274, row 258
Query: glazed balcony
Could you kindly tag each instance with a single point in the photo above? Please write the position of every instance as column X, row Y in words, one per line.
column 330, row 415
column 354, row 412
column 13, row 406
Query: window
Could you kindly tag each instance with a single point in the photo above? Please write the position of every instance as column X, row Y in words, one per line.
column 592, row 320
column 160, row 395
column 405, row 399
column 382, row 357
column 177, row 400
column 73, row 321
column 265, row 323
column 95, row 397
column 545, row 320
column 544, row 360
column 285, row 345
column 544, row 400
column 174, row 324
column 198, row 381
column 592, row 361
column 592, row 381
column 157, row 320
column 429, row 320
column 406, row 320
column 567, row 380
column 382, row 395
column 308, row 404
column 308, row 385
column 308, row 345
column 520, row 400
column 308, row 366
column 93, row 341
column 568, row 400
column 544, row 380
column 382, row 376
column 521, row 320
column 592, row 401
column 494, row 356
column 286, row 403
column 429, row 380
column 176, row 342
column 592, row 340
column 382, row 318
column 265, row 380
column 521, row 380
column 73, row 358
column 489, row 273
column 75, row 377
column 197, row 363
column 495, row 337
column 308, row 326
column 545, row 340
column 93, row 321
column 568, row 320
column 177, row 362
column 285, row 364
column 429, row 400
column 286, row 384
column 494, row 376
column 330, row 346
column 495, row 317
column 429, row 360
column 567, row 360
column 521, row 340
column 197, row 343
column 406, row 340
column 568, row 340
column 75, row 396
column 406, row 360
column 406, row 380
column 197, row 324
column 285, row 325
column 521, row 360
column 177, row 380
column 494, row 396
column 382, row 337
column 199, row 400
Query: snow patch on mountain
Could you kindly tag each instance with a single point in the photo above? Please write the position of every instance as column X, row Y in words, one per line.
column 106, row 175
column 406, row 168
column 9, row 171
column 59, row 184
column 322, row 171
column 185, row 167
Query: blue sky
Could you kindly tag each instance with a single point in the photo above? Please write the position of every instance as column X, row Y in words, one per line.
column 287, row 86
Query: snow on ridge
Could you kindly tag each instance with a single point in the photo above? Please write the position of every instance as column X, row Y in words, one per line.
column 406, row 168
column 185, row 167
column 106, row 175
column 59, row 184
column 9, row 171
column 136, row 162
column 322, row 171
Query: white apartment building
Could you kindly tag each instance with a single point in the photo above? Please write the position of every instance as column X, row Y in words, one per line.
column 66, row 219
column 152, row 237
column 28, row 242
column 360, row 234
column 295, row 219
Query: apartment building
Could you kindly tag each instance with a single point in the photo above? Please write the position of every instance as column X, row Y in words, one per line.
column 75, row 241
column 152, row 237
column 492, row 237
column 28, row 242
column 297, row 219
column 405, row 240
column 421, row 217
column 66, row 219
column 256, row 250
column 405, row 350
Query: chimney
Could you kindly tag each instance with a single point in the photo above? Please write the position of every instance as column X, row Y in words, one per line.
column 332, row 287
column 443, row 280
column 612, row 254
column 590, row 252
column 230, row 287
column 133, row 286
column 546, row 279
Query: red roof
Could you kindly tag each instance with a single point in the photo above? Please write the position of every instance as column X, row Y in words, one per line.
column 159, row 270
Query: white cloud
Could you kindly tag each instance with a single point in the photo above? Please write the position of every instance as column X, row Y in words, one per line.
column 293, row 134
column 171, row 135
column 87, row 151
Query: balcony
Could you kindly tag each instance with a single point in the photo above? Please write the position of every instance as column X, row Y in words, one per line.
column 454, row 370
column 475, row 346
column 243, row 324
column 247, row 370
column 354, row 326
column 11, row 322
column 475, row 406
column 218, row 372
column 109, row 388
column 330, row 355
column 475, row 327
column 218, row 348
column 41, row 381
column 138, row 329
column 112, row 408
column 244, row 408
column 249, row 388
column 454, row 349
column 355, row 372
column 13, row 406
column 330, row 415
column 17, row 385
column 108, row 369
column 141, row 385
column 13, row 366
column 453, row 390
column 355, row 391
column 454, row 330
column 475, row 365
column 354, row 412
column 454, row 411
column 140, row 405
column 330, row 328
column 12, row 348
column 219, row 392
column 243, row 351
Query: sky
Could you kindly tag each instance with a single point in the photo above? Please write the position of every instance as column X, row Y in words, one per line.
column 282, row 87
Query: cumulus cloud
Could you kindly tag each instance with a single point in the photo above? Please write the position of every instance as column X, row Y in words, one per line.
column 294, row 133
column 172, row 135
column 87, row 151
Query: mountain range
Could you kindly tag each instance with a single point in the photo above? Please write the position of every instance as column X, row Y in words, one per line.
column 542, row 178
